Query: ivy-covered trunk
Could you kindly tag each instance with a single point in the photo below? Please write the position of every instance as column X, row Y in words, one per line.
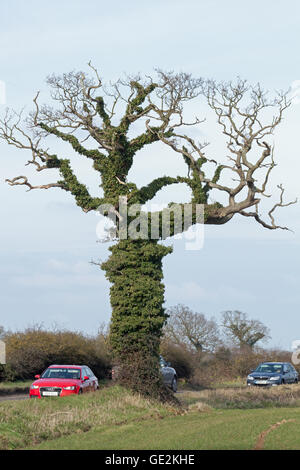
column 134, row 270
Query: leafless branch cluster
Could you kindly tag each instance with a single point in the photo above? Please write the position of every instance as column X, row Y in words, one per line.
column 85, row 110
column 241, row 111
column 244, row 126
column 243, row 331
column 192, row 329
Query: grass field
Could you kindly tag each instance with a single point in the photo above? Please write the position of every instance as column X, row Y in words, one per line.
column 113, row 418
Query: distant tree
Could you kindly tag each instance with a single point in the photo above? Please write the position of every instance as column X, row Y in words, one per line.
column 242, row 331
column 191, row 328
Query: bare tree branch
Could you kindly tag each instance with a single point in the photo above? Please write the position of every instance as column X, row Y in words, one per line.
column 82, row 114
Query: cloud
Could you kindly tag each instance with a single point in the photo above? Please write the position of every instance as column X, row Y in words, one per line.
column 191, row 291
column 55, row 281
column 185, row 292
column 59, row 274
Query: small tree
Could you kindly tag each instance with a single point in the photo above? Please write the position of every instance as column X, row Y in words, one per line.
column 191, row 328
column 242, row 331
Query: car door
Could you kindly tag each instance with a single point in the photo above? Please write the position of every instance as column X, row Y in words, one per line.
column 168, row 373
column 288, row 374
column 295, row 373
column 164, row 370
column 93, row 379
column 292, row 373
column 285, row 373
column 85, row 383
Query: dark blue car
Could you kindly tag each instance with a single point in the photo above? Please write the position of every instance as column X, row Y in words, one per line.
column 273, row 373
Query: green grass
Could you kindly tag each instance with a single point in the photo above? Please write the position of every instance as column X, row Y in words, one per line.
column 15, row 387
column 215, row 430
column 29, row 422
column 114, row 418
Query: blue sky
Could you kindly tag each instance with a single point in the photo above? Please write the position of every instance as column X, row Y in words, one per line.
column 47, row 243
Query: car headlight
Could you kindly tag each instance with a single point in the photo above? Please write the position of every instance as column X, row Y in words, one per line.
column 250, row 377
column 275, row 378
column 71, row 387
column 34, row 387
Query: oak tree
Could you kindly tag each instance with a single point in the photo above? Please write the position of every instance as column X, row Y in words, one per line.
column 243, row 331
column 192, row 329
column 109, row 126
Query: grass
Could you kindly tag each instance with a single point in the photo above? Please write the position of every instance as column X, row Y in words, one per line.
column 236, row 383
column 29, row 422
column 214, row 430
column 14, row 387
column 113, row 418
column 245, row 397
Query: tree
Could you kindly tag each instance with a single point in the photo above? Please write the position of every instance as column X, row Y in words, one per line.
column 242, row 331
column 108, row 127
column 191, row 328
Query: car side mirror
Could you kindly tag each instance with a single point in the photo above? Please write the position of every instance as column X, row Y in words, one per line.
column 37, row 376
column 168, row 364
column 85, row 378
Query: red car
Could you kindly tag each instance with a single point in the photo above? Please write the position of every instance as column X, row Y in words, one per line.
column 60, row 381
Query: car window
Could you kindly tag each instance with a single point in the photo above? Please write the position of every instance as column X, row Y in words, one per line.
column 90, row 373
column 162, row 362
column 61, row 373
column 269, row 368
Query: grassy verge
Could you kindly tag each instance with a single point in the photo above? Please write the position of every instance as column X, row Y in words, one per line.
column 237, row 383
column 11, row 388
column 27, row 423
column 113, row 418
column 245, row 397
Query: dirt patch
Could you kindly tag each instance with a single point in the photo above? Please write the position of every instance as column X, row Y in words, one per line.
column 261, row 438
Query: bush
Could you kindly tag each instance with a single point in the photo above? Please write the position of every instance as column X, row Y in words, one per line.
column 137, row 369
column 33, row 350
column 232, row 364
column 180, row 358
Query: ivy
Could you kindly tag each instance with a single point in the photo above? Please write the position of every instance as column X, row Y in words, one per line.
column 134, row 270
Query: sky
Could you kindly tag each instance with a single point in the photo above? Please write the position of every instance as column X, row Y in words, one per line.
column 47, row 243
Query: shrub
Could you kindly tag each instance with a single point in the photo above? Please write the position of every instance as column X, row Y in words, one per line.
column 31, row 351
column 180, row 358
column 232, row 364
column 138, row 369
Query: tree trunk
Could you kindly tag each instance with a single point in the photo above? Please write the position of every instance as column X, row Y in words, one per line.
column 134, row 270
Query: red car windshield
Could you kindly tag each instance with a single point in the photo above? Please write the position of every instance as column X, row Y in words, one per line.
column 61, row 373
